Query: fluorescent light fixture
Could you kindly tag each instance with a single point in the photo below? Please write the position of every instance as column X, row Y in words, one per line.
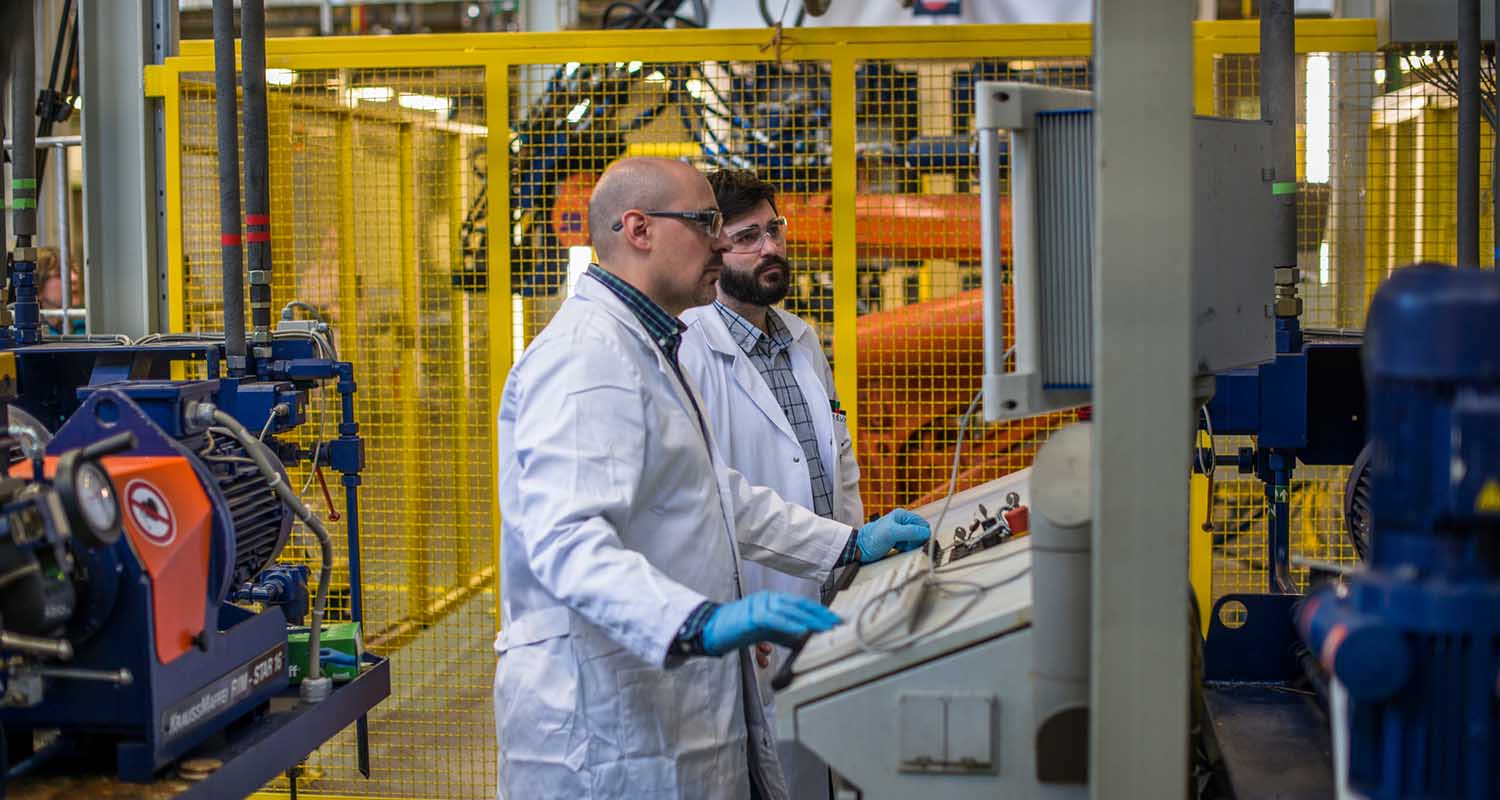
column 370, row 94
column 1021, row 66
column 1318, row 128
column 579, row 259
column 426, row 102
column 579, row 110
column 655, row 76
column 1324, row 268
column 695, row 88
column 571, row 69
column 633, row 67
column 1380, row 75
column 281, row 77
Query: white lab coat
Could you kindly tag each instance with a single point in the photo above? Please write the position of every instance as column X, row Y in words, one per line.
column 618, row 519
column 754, row 437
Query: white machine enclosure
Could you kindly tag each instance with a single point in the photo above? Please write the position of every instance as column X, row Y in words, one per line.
column 951, row 716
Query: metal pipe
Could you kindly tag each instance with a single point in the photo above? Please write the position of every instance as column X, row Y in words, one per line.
column 257, row 168
column 64, row 225
column 993, row 279
column 1468, row 133
column 231, row 249
column 23, row 173
column 4, row 240
column 1278, row 106
column 1061, row 564
column 59, row 649
column 53, row 141
column 119, row 677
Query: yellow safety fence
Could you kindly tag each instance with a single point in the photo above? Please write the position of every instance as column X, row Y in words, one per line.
column 436, row 259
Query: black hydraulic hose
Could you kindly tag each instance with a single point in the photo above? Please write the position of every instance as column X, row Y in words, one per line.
column 67, row 32
column 231, row 248
column 257, row 169
column 1279, row 107
column 1468, row 133
column 23, row 174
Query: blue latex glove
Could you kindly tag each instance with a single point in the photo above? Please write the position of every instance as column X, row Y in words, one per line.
column 328, row 655
column 764, row 617
column 900, row 529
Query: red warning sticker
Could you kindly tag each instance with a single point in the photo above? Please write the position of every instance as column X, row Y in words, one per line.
column 149, row 511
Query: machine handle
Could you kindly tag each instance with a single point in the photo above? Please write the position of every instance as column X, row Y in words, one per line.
column 113, row 444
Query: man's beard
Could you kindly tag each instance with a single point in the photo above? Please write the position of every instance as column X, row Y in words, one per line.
column 746, row 286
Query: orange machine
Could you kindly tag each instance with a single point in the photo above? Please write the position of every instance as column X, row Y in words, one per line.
column 897, row 226
column 919, row 367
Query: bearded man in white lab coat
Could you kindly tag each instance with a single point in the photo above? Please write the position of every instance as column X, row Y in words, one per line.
column 624, row 665
column 771, row 404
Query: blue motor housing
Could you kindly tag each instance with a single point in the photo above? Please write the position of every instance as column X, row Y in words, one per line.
column 1415, row 638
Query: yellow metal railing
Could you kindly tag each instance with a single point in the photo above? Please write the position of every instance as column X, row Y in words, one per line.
column 436, row 262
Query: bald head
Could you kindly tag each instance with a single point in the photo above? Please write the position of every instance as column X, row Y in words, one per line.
column 643, row 183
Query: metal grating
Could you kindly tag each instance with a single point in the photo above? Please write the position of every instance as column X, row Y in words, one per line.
column 1065, row 245
column 373, row 173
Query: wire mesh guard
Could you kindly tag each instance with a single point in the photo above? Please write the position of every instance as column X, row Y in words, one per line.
column 1376, row 169
column 916, row 219
column 375, row 176
column 381, row 218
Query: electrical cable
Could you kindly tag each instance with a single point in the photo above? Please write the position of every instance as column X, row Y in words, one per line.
column 312, row 469
column 1206, row 468
column 314, row 689
column 930, row 575
column 276, row 411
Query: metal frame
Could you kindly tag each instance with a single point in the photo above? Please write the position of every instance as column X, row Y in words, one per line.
column 1139, row 694
column 842, row 48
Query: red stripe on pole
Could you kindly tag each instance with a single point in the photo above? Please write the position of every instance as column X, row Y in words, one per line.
column 257, row 219
column 257, row 236
column 230, row 239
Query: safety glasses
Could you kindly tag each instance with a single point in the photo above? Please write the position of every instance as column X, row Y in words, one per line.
column 750, row 239
column 709, row 220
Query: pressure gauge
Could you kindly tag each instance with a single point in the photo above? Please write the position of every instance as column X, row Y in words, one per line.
column 96, row 497
column 88, row 495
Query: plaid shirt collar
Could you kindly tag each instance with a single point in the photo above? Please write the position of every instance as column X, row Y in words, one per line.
column 746, row 335
column 663, row 328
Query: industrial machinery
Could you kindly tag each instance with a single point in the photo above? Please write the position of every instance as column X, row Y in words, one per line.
column 144, row 612
column 1413, row 641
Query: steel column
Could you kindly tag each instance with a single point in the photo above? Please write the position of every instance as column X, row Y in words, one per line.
column 1143, row 344
column 124, row 189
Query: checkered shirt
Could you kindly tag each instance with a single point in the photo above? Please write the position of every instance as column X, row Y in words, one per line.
column 768, row 352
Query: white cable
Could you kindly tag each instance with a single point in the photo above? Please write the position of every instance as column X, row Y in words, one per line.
column 1213, row 457
column 276, row 411
column 929, row 577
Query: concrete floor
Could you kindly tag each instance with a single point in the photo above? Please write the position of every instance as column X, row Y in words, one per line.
column 434, row 737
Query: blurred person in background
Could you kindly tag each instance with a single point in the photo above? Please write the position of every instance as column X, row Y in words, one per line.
column 50, row 291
